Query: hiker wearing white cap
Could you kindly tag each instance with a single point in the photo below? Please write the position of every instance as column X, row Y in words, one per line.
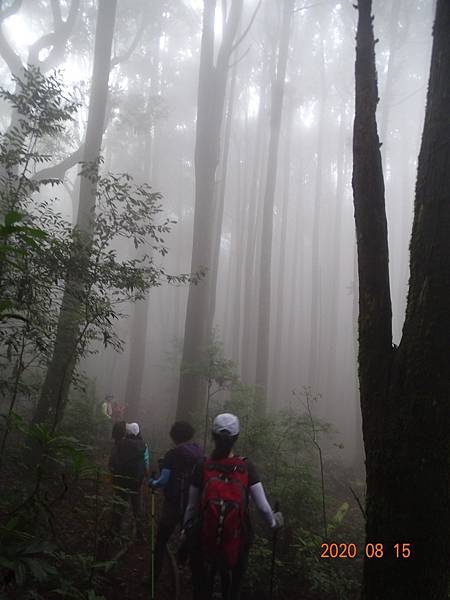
column 133, row 431
column 216, row 521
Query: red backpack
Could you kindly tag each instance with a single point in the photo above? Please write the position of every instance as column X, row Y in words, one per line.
column 223, row 509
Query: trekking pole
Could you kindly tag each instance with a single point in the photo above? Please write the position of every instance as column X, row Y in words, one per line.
column 274, row 547
column 152, row 541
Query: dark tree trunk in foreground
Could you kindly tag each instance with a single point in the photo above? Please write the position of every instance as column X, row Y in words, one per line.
column 262, row 345
column 60, row 371
column 405, row 391
column 211, row 98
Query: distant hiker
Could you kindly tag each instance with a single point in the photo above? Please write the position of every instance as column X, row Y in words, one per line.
column 117, row 411
column 106, row 407
column 217, row 520
column 176, row 471
column 127, row 464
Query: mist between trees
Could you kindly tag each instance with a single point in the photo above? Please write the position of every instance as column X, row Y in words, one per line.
column 231, row 234
column 276, row 154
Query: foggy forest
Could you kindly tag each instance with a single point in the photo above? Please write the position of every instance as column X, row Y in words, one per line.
column 224, row 222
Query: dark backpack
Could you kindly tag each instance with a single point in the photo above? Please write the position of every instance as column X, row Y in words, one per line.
column 187, row 456
column 223, row 510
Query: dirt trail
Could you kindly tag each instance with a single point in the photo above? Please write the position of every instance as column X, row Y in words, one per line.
column 131, row 578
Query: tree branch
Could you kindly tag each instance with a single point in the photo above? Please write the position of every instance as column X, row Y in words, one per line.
column 229, row 33
column 126, row 55
column 58, row 171
column 12, row 10
column 247, row 29
column 240, row 59
column 9, row 56
column 308, row 6
column 57, row 39
column 56, row 10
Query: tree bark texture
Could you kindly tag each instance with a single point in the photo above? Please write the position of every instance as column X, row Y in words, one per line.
column 405, row 391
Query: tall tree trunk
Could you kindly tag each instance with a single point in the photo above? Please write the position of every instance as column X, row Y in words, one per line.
column 251, row 229
column 405, row 391
column 335, row 258
column 316, row 297
column 211, row 97
column 281, row 298
column 262, row 346
column 59, row 374
column 139, row 326
column 239, row 224
column 221, row 189
column 295, row 306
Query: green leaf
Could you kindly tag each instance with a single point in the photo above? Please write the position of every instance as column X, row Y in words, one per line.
column 13, row 217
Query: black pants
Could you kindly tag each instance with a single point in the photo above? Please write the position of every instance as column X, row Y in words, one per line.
column 171, row 516
column 133, row 497
column 203, row 576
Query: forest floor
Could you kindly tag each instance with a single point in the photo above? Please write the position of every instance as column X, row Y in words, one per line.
column 77, row 520
column 131, row 578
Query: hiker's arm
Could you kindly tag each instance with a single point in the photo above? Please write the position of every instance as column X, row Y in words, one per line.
column 259, row 498
column 162, row 479
column 192, row 507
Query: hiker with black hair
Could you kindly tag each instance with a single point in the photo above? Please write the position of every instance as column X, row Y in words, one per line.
column 217, row 520
column 127, row 464
column 176, row 470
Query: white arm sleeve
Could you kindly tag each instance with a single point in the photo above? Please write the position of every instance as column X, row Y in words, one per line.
column 192, row 507
column 259, row 498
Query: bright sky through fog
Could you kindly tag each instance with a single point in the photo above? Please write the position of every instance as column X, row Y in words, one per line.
column 197, row 5
column 19, row 34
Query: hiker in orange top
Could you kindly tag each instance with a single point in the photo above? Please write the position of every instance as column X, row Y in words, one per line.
column 117, row 411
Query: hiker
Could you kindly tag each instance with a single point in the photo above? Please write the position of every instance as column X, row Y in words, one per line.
column 216, row 521
column 133, row 431
column 127, row 464
column 176, row 470
column 117, row 411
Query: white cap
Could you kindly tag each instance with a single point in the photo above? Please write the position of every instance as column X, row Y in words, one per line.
column 227, row 424
column 132, row 428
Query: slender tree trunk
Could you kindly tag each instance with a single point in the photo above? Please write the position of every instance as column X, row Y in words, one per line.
column 211, row 96
column 262, row 346
column 140, row 321
column 235, row 326
column 405, row 391
column 139, row 329
column 58, row 378
column 221, row 189
column 295, row 302
column 249, row 300
column 315, row 317
column 336, row 255
column 281, row 296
